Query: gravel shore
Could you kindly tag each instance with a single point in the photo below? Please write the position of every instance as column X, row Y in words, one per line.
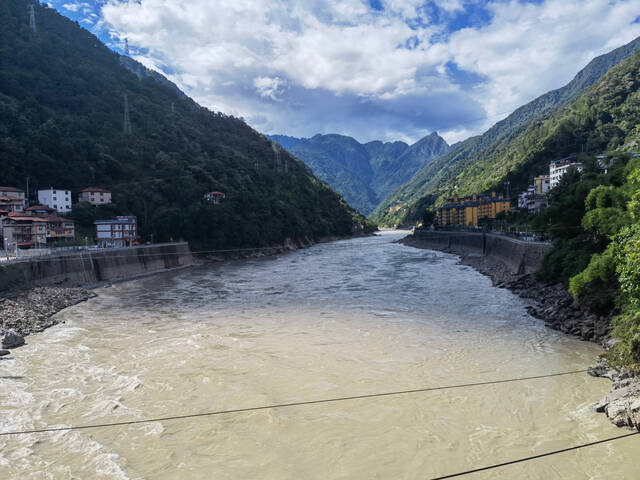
column 556, row 307
column 33, row 310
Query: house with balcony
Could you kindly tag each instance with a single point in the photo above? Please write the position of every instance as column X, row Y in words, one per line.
column 36, row 227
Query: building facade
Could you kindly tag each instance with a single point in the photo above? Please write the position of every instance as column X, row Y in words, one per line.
column 59, row 200
column 559, row 168
column 95, row 196
column 214, row 197
column 12, row 199
column 37, row 227
column 116, row 233
column 473, row 210
column 542, row 184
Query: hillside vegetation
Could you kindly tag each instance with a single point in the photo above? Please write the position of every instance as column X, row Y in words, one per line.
column 61, row 124
column 363, row 173
column 515, row 149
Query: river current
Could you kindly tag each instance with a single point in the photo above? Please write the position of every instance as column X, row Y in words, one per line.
column 339, row 319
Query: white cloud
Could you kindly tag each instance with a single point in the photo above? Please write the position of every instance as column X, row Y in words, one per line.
column 280, row 64
column 269, row 87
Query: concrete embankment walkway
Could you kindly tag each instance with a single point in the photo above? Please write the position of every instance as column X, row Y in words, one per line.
column 518, row 256
column 92, row 267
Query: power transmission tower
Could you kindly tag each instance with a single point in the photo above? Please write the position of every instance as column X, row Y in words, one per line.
column 173, row 107
column 32, row 18
column 126, row 47
column 276, row 150
column 127, row 121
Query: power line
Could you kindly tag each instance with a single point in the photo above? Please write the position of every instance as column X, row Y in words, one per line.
column 283, row 405
column 533, row 457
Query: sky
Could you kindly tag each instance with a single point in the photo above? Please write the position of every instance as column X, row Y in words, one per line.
column 372, row 69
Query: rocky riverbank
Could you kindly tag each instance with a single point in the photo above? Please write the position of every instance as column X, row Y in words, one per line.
column 556, row 307
column 33, row 310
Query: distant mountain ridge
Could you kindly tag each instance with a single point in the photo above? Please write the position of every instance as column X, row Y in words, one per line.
column 455, row 168
column 363, row 173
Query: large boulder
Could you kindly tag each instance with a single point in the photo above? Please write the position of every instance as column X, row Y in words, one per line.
column 12, row 339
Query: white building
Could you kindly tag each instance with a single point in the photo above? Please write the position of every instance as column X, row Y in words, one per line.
column 558, row 168
column 116, row 233
column 59, row 200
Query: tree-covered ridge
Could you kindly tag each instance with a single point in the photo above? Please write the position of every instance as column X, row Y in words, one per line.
column 61, row 124
column 498, row 158
column 364, row 173
column 607, row 275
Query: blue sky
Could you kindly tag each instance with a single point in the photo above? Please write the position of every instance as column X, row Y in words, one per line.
column 372, row 69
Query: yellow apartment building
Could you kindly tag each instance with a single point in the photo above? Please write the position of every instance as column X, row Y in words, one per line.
column 469, row 211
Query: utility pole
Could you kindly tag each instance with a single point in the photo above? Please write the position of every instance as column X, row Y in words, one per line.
column 127, row 120
column 32, row 18
column 27, row 199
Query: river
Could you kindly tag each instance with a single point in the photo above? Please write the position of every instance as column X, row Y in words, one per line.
column 339, row 319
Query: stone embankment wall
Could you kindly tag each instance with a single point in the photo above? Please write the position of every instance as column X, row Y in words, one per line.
column 91, row 267
column 518, row 256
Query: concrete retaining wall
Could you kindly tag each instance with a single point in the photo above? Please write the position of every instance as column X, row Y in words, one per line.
column 519, row 256
column 92, row 267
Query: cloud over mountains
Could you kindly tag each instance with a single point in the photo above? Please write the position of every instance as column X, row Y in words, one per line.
column 387, row 69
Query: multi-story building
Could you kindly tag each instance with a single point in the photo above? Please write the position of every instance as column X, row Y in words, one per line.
column 558, row 168
column 12, row 199
column 117, row 232
column 35, row 228
column 95, row 196
column 473, row 210
column 59, row 200
column 542, row 184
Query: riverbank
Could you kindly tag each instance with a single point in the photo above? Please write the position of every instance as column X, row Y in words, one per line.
column 33, row 311
column 556, row 307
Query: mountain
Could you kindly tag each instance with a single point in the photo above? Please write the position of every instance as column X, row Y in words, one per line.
column 62, row 96
column 457, row 168
column 364, row 173
column 285, row 140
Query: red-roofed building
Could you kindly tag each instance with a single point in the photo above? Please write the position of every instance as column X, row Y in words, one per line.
column 95, row 196
column 34, row 228
column 214, row 197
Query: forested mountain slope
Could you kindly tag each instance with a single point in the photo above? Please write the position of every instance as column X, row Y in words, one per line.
column 458, row 168
column 61, row 124
column 363, row 173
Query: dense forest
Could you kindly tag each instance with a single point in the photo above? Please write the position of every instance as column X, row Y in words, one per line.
column 62, row 95
column 519, row 146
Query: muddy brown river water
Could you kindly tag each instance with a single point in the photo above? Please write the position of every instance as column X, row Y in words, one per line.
column 347, row 318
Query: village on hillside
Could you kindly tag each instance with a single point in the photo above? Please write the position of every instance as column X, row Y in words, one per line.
column 481, row 211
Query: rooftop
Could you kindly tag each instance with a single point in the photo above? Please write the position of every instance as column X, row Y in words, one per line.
column 91, row 189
